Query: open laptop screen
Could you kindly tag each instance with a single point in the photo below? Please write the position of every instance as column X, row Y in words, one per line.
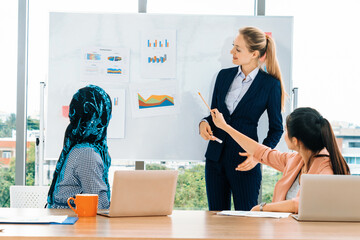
column 329, row 198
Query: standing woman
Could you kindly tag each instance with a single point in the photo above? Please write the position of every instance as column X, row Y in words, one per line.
column 84, row 162
column 242, row 94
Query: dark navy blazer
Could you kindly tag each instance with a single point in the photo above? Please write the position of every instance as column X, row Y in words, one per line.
column 263, row 94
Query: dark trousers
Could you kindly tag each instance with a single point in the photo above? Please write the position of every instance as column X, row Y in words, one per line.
column 222, row 180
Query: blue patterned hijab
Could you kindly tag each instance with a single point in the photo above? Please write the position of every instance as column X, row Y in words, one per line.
column 89, row 113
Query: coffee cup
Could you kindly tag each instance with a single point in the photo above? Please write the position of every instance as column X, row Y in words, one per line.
column 85, row 204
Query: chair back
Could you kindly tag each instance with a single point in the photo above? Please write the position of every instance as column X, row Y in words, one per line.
column 28, row 196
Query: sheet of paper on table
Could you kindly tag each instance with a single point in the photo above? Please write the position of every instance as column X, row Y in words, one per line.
column 39, row 219
column 255, row 214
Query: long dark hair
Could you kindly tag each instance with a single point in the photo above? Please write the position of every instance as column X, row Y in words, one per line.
column 315, row 132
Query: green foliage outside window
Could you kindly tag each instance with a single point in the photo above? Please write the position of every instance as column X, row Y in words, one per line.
column 10, row 124
column 7, row 126
column 190, row 190
column 155, row 166
column 269, row 179
column 7, row 173
column 8, row 176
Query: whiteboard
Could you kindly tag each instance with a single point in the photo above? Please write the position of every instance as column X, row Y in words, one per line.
column 203, row 44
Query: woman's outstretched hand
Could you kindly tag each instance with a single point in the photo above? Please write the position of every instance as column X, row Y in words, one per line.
column 248, row 164
column 218, row 119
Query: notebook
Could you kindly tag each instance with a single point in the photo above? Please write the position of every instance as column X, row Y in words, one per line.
column 142, row 193
column 329, row 198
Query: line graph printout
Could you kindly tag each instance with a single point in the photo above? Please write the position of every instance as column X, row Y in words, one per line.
column 105, row 65
column 154, row 99
column 158, row 54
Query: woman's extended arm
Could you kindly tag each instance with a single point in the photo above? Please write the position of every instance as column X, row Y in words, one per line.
column 263, row 154
column 245, row 142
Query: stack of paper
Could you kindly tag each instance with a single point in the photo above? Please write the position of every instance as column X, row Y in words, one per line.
column 255, row 214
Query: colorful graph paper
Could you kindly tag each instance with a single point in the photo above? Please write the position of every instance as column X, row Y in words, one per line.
column 157, row 43
column 93, row 56
column 156, row 59
column 155, row 101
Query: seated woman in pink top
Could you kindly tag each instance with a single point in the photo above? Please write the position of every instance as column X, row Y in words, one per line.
column 307, row 133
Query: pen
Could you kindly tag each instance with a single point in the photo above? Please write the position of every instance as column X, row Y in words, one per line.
column 216, row 139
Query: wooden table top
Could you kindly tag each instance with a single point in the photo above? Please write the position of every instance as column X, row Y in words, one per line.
column 180, row 225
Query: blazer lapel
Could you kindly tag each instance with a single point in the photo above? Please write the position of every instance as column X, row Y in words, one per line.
column 253, row 89
column 228, row 79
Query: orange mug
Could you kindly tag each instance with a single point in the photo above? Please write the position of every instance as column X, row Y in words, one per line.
column 86, row 204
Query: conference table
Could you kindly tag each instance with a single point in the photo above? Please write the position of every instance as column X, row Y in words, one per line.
column 180, row 225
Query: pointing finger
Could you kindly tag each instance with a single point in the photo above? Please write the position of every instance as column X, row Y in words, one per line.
column 244, row 154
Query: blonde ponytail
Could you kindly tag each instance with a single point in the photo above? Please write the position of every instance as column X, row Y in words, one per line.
column 272, row 66
column 257, row 40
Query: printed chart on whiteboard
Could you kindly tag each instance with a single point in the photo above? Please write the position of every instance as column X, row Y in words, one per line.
column 158, row 54
column 154, row 99
column 105, row 65
column 116, row 127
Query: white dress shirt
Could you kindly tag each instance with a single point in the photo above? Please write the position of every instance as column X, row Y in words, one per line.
column 238, row 88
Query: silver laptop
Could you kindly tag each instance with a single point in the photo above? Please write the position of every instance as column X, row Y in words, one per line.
column 142, row 193
column 329, row 198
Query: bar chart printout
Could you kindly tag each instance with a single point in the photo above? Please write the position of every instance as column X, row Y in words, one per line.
column 157, row 43
column 158, row 54
column 156, row 59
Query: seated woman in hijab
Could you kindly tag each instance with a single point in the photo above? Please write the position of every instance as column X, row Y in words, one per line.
column 84, row 162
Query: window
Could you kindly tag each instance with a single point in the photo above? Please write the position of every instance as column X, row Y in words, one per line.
column 354, row 144
column 6, row 154
column 8, row 80
column 322, row 55
column 321, row 52
column 350, row 160
column 316, row 30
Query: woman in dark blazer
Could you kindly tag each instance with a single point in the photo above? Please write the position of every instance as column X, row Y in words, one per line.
column 242, row 94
